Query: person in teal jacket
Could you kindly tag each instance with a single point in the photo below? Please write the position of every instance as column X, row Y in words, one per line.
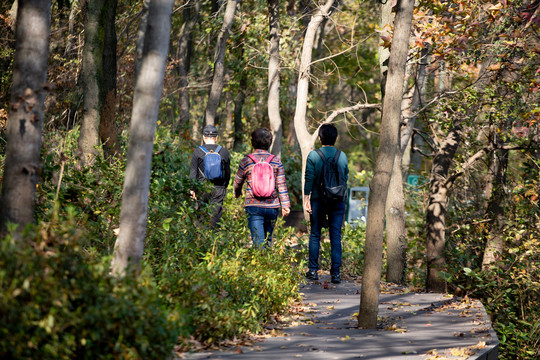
column 320, row 210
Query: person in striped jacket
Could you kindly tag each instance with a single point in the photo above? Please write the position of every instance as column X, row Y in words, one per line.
column 262, row 212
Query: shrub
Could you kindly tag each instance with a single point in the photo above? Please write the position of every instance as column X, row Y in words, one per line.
column 54, row 304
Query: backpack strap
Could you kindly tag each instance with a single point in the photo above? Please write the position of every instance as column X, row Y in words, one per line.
column 323, row 158
column 336, row 156
column 268, row 159
column 253, row 158
column 210, row 151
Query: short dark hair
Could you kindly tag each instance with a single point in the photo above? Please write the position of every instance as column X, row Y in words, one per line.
column 328, row 134
column 261, row 138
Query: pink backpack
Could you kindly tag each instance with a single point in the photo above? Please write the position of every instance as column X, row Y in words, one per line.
column 262, row 177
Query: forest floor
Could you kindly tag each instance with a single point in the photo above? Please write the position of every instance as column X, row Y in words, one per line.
column 413, row 326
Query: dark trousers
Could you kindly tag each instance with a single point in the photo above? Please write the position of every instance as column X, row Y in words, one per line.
column 215, row 197
column 319, row 212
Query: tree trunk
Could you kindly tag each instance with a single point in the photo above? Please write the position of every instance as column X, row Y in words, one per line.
column 409, row 125
column 389, row 142
column 495, row 210
column 219, row 64
column 25, row 118
column 13, row 15
column 436, row 210
column 71, row 38
column 395, row 223
column 99, row 81
column 395, row 205
column 92, row 81
column 190, row 17
column 129, row 245
column 227, row 135
column 108, row 132
column 141, row 32
column 386, row 18
column 305, row 139
column 291, row 132
column 239, row 100
column 276, row 125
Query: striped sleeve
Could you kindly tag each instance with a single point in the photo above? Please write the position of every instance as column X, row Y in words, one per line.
column 282, row 186
column 240, row 177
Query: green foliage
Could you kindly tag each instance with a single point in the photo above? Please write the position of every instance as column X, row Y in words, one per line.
column 94, row 193
column 221, row 286
column 211, row 284
column 292, row 162
column 55, row 304
column 353, row 242
column 510, row 287
column 511, row 294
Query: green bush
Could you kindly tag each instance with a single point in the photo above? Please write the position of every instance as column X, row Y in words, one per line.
column 221, row 285
column 54, row 304
column 198, row 284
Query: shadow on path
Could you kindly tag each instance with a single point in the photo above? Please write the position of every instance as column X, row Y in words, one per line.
column 419, row 326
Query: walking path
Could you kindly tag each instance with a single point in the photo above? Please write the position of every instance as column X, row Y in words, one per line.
column 415, row 326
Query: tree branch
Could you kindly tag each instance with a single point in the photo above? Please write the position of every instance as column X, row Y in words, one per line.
column 416, row 149
column 345, row 110
column 469, row 163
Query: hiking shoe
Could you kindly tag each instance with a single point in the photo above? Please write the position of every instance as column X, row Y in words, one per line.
column 312, row 275
column 336, row 279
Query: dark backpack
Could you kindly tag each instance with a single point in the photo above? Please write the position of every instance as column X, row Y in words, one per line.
column 212, row 164
column 333, row 186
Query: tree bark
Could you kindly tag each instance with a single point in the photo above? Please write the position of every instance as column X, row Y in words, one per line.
column 495, row 210
column 305, row 139
column 227, row 134
column 129, row 245
column 25, row 114
column 141, row 32
column 92, row 81
column 108, row 132
column 386, row 18
column 219, row 63
column 12, row 22
column 389, row 142
column 276, row 125
column 395, row 223
column 396, row 237
column 190, row 17
column 239, row 100
column 436, row 210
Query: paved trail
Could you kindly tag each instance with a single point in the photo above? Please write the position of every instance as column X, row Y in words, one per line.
column 414, row 327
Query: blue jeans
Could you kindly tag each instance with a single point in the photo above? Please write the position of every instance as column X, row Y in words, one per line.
column 261, row 223
column 319, row 212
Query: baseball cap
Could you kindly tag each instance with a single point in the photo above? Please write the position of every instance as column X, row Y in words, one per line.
column 210, row 131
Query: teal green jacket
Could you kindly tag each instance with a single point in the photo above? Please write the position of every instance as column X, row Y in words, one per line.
column 314, row 167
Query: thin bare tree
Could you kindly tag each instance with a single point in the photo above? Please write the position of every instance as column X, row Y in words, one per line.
column 306, row 140
column 129, row 246
column 276, row 125
column 219, row 63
